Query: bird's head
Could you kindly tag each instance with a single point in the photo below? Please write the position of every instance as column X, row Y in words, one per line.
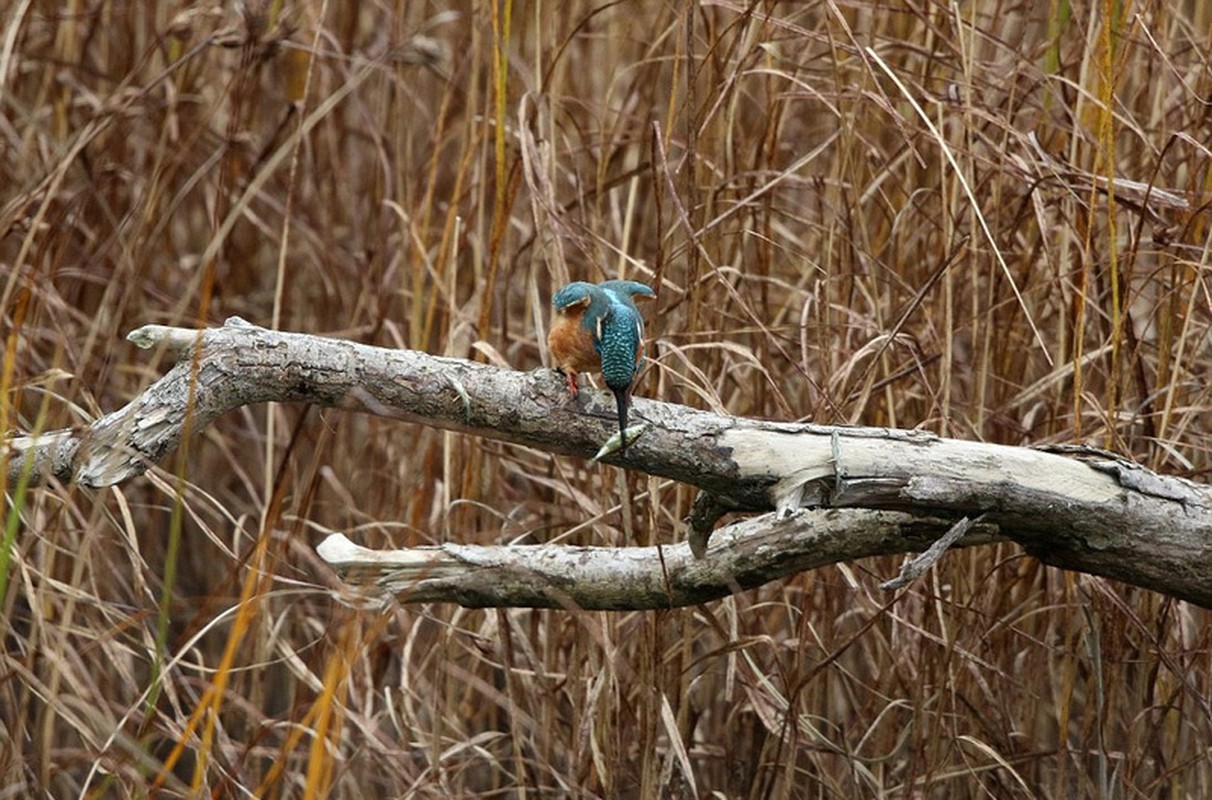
column 575, row 294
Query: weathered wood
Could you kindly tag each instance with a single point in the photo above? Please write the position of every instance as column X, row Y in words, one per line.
column 743, row 555
column 1080, row 509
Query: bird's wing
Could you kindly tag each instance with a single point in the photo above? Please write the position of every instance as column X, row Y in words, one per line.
column 620, row 343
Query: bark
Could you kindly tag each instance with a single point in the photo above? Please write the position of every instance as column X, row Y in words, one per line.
column 832, row 493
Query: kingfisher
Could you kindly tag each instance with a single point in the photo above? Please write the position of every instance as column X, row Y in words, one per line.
column 597, row 328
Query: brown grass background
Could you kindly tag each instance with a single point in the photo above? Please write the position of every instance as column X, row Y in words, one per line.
column 986, row 219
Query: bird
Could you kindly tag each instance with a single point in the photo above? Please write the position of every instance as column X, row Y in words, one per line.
column 598, row 328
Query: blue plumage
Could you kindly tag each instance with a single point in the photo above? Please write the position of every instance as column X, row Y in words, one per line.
column 609, row 316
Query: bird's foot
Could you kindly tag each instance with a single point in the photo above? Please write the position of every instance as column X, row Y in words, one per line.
column 570, row 379
column 615, row 443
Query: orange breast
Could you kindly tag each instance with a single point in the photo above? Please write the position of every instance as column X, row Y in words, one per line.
column 571, row 345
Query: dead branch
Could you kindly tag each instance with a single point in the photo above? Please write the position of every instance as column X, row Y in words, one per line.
column 743, row 555
column 1079, row 509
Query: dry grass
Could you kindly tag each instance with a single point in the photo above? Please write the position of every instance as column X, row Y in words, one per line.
column 894, row 216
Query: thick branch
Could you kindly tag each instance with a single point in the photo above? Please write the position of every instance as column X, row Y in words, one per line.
column 1082, row 510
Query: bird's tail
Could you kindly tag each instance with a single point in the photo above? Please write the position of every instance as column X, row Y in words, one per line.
column 622, row 399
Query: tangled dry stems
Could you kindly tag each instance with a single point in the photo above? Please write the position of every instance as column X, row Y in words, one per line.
column 982, row 220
